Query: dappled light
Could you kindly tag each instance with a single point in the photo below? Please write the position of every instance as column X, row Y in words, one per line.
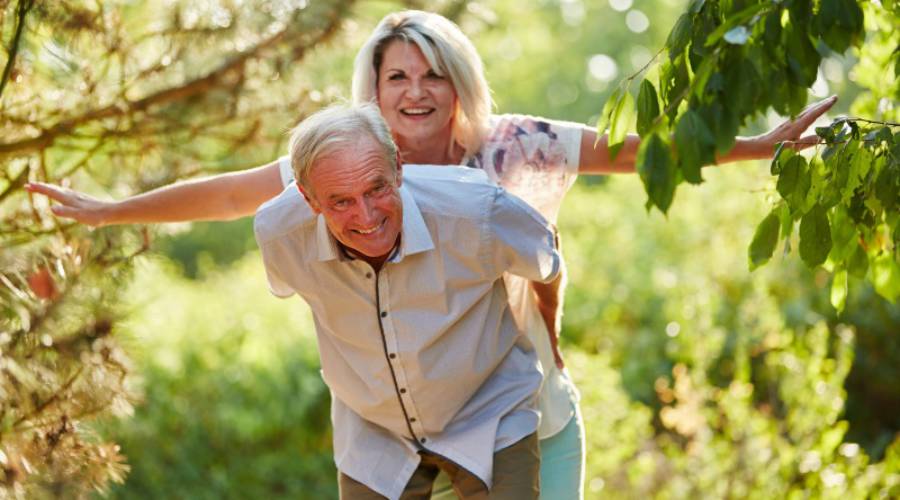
column 738, row 340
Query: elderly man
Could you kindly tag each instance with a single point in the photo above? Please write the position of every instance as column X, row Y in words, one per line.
column 426, row 366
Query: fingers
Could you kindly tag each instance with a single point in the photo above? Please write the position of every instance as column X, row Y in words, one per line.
column 63, row 211
column 804, row 142
column 53, row 192
column 816, row 110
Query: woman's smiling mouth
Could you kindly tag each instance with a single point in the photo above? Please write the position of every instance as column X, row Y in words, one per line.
column 417, row 111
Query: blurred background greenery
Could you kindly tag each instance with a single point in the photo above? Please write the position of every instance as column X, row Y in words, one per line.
column 698, row 378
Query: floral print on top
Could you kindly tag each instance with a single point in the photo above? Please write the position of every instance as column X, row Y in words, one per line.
column 537, row 160
column 534, row 158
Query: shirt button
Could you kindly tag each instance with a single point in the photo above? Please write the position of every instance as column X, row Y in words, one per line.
column 402, row 391
column 422, row 440
column 383, row 314
column 392, row 355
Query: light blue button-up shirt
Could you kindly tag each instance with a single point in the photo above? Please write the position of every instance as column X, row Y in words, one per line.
column 423, row 354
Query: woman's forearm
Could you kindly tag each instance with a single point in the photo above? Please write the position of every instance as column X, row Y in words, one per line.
column 221, row 197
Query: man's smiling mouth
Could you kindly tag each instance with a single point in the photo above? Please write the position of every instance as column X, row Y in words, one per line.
column 372, row 229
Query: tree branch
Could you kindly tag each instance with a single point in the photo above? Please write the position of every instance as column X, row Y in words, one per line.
column 21, row 11
column 217, row 78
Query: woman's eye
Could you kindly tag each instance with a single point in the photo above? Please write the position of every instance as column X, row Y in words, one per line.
column 396, row 76
column 434, row 76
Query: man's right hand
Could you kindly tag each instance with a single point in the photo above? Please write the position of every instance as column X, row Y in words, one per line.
column 73, row 205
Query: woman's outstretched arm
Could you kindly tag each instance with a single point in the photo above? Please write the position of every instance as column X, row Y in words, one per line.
column 221, row 197
column 595, row 154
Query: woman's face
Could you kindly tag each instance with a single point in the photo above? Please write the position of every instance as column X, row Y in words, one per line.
column 417, row 104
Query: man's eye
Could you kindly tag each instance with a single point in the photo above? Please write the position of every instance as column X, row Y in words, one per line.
column 341, row 204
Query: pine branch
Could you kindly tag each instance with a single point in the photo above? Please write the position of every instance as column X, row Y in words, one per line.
column 220, row 77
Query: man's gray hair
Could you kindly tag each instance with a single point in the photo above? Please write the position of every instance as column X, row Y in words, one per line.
column 449, row 52
column 335, row 127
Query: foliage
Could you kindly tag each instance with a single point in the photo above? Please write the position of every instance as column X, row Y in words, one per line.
column 846, row 202
column 672, row 340
column 699, row 381
column 731, row 60
column 733, row 441
column 119, row 96
column 233, row 406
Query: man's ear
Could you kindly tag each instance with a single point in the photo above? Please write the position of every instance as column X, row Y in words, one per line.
column 309, row 199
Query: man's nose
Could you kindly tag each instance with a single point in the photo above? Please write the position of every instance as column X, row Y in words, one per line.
column 367, row 212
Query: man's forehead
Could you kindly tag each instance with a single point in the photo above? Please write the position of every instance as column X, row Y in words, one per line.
column 334, row 178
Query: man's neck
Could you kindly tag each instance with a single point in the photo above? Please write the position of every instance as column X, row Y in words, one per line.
column 375, row 262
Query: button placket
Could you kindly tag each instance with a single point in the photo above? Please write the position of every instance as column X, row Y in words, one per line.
column 391, row 338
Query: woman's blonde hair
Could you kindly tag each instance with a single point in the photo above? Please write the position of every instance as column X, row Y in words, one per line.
column 449, row 52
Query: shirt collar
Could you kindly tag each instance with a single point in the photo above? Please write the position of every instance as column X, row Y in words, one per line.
column 415, row 239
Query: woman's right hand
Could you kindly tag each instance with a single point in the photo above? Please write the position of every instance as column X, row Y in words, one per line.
column 74, row 205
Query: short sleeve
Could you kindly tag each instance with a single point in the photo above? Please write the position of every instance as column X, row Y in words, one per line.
column 534, row 158
column 286, row 171
column 272, row 256
column 522, row 242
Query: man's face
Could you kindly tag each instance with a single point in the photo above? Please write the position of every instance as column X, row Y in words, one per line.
column 357, row 193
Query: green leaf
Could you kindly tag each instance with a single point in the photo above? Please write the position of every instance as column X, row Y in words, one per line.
column 803, row 60
column 839, row 23
column 723, row 122
column 657, row 171
column 696, row 6
column 844, row 237
column 886, row 276
column 673, row 80
column 887, row 187
column 744, row 86
column 858, row 264
column 764, row 240
column 620, row 122
column 839, row 289
column 694, row 145
column 647, row 107
column 815, row 237
column 791, row 170
column 782, row 155
column 860, row 164
column 794, row 183
column 787, row 225
column 679, row 36
column 603, row 122
column 733, row 20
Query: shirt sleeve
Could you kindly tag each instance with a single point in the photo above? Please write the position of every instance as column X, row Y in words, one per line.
column 286, row 171
column 271, row 258
column 521, row 241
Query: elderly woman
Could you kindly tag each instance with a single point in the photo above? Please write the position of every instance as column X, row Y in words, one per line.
column 428, row 81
